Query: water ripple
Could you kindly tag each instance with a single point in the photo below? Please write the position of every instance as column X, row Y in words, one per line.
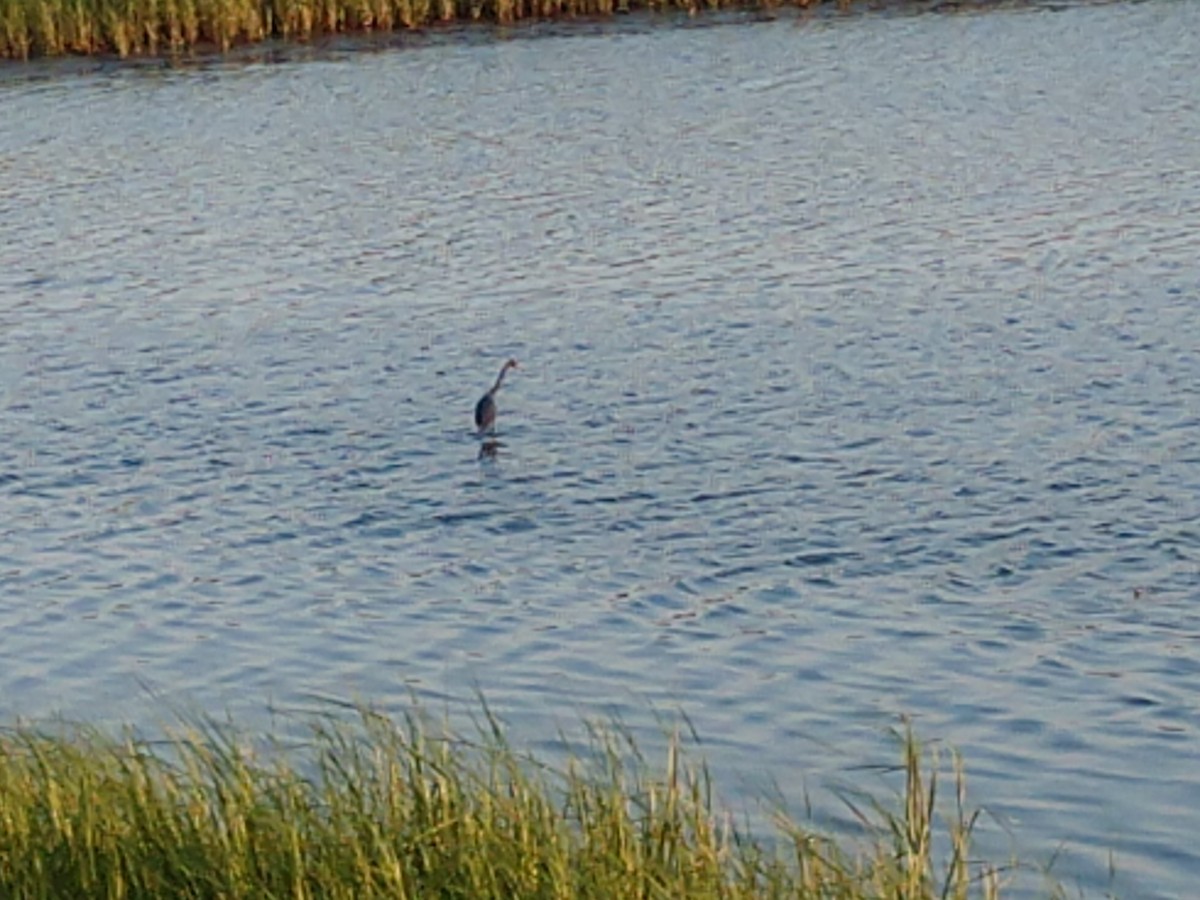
column 848, row 391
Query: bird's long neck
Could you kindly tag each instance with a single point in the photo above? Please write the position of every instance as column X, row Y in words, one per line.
column 499, row 380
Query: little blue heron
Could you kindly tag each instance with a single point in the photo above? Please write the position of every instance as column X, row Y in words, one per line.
column 485, row 409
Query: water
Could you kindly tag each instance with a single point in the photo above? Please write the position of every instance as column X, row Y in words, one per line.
column 859, row 380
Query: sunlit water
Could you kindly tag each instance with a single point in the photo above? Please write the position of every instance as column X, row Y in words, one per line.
column 859, row 379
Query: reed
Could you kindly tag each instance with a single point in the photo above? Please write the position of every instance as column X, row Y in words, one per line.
column 125, row 28
column 371, row 807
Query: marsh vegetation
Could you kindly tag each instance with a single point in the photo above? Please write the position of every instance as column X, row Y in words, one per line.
column 32, row 28
column 369, row 807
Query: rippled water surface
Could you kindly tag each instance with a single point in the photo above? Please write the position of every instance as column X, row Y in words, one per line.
column 860, row 378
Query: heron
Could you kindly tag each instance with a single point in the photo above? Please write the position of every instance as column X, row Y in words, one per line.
column 485, row 409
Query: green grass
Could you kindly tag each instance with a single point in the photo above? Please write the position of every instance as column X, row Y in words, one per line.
column 33, row 28
column 374, row 808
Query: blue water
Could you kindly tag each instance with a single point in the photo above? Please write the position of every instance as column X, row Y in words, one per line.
column 859, row 379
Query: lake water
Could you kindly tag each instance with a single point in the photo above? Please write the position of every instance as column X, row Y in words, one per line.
column 860, row 379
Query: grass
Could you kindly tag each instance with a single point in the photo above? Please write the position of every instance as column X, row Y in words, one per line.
column 371, row 807
column 33, row 28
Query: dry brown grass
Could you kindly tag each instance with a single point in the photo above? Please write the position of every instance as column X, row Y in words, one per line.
column 125, row 28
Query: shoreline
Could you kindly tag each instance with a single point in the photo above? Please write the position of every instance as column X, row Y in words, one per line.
column 167, row 32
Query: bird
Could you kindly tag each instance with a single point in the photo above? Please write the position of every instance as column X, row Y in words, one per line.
column 485, row 409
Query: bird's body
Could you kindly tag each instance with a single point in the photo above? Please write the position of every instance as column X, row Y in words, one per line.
column 485, row 413
column 485, row 409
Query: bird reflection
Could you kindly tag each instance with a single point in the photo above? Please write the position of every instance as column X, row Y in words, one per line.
column 489, row 449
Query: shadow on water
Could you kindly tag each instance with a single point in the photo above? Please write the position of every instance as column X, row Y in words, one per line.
column 345, row 45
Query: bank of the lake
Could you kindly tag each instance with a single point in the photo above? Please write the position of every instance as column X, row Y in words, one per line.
column 137, row 28
column 369, row 807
